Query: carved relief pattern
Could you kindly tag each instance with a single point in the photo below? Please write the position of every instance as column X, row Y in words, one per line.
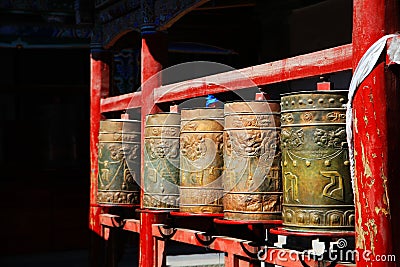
column 116, row 181
column 336, row 116
column 317, row 182
column 291, row 182
column 292, row 138
column 287, row 118
column 322, row 217
column 307, row 117
column 161, row 201
column 247, row 142
column 255, row 202
column 252, row 121
column 252, row 176
column 165, row 131
column 163, row 148
column 201, row 163
column 331, row 138
column 193, row 147
column 192, row 196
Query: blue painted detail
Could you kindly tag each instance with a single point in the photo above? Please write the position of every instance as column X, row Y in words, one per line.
column 210, row 100
column 127, row 70
column 148, row 29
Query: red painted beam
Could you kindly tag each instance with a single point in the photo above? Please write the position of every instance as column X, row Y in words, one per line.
column 121, row 102
column 132, row 225
column 99, row 87
column 371, row 20
column 303, row 66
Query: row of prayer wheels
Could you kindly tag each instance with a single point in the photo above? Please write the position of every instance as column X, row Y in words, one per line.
column 251, row 160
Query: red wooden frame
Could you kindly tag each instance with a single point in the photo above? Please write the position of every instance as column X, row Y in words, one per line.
column 371, row 20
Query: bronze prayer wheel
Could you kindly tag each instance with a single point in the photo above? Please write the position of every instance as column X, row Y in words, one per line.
column 119, row 163
column 317, row 187
column 201, row 142
column 161, row 161
column 252, row 178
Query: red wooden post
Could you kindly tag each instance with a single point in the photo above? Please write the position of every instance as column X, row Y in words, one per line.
column 99, row 86
column 371, row 20
column 153, row 56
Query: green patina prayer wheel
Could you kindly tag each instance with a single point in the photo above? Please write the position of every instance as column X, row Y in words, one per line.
column 161, row 161
column 317, row 187
column 119, row 163
column 201, row 163
column 252, row 177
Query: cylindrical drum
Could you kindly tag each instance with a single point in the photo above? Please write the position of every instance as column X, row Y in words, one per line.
column 161, row 161
column 252, row 178
column 119, row 163
column 201, row 160
column 317, row 188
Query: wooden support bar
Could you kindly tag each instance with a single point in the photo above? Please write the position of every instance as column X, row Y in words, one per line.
column 121, row 102
column 303, row 66
column 374, row 107
column 111, row 220
column 132, row 225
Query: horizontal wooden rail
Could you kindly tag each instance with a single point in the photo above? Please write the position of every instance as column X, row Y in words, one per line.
column 112, row 221
column 308, row 65
column 121, row 102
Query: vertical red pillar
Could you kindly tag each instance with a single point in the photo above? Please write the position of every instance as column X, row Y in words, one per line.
column 153, row 57
column 99, row 87
column 371, row 20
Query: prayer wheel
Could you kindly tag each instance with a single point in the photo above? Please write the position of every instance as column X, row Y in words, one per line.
column 161, row 161
column 201, row 163
column 317, row 187
column 252, row 178
column 119, row 163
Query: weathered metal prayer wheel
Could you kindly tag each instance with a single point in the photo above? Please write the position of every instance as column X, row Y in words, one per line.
column 201, row 160
column 119, row 163
column 317, row 188
column 161, row 161
column 252, row 178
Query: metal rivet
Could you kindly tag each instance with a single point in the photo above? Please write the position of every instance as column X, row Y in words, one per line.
column 327, row 163
column 293, row 102
column 310, row 101
column 346, row 162
column 285, row 163
column 300, row 102
column 321, row 100
column 308, row 163
column 342, row 100
column 287, row 103
column 294, row 163
column 331, row 100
